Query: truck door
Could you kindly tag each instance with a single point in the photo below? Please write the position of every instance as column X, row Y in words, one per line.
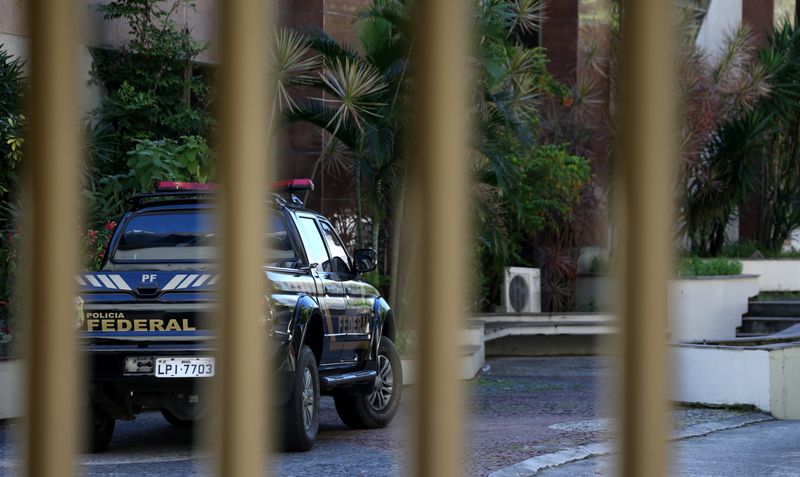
column 330, row 291
column 358, row 316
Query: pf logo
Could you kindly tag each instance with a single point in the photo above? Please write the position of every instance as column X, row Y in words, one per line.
column 148, row 278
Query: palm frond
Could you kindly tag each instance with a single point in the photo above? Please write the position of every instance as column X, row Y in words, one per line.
column 525, row 15
column 355, row 89
column 291, row 63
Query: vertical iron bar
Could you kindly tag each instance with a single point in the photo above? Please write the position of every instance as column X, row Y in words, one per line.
column 51, row 238
column 244, row 161
column 647, row 154
column 441, row 170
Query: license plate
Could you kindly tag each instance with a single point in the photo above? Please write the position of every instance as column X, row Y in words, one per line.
column 190, row 367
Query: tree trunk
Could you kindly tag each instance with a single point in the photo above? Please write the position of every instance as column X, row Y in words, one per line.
column 376, row 233
column 359, row 211
column 397, row 231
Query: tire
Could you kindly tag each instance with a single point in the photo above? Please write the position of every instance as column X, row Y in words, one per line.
column 376, row 408
column 175, row 420
column 101, row 429
column 301, row 413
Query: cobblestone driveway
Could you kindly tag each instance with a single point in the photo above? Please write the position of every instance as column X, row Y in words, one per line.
column 518, row 408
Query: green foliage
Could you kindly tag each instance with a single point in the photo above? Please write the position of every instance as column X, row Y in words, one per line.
column 700, row 267
column 154, row 88
column 755, row 158
column 187, row 159
column 151, row 124
column 600, row 265
column 777, row 296
column 751, row 249
column 12, row 120
column 95, row 242
column 778, row 152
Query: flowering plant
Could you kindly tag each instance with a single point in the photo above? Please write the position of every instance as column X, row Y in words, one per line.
column 95, row 243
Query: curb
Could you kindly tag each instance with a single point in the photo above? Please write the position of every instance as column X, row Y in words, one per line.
column 533, row 465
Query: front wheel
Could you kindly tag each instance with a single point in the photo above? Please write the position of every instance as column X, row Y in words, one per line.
column 101, row 428
column 377, row 407
column 301, row 413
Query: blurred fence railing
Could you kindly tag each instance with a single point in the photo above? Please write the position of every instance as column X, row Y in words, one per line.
column 441, row 173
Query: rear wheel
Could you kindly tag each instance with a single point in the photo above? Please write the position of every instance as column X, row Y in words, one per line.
column 301, row 413
column 377, row 407
column 101, row 428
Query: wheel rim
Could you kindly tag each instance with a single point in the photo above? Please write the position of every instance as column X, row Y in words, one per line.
column 308, row 399
column 381, row 394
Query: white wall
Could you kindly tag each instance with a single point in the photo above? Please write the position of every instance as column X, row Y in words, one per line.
column 708, row 308
column 774, row 275
column 10, row 389
column 722, row 18
column 714, row 375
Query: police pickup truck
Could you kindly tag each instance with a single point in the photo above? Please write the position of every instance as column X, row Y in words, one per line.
column 145, row 318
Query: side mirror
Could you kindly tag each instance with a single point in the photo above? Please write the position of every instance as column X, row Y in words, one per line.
column 365, row 259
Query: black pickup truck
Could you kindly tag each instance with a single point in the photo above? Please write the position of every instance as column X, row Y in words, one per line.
column 145, row 318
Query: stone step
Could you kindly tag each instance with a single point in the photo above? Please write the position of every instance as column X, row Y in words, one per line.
column 765, row 325
column 776, row 308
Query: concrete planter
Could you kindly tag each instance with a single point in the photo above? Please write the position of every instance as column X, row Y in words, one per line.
column 709, row 308
column 767, row 376
column 594, row 291
column 774, row 275
column 10, row 388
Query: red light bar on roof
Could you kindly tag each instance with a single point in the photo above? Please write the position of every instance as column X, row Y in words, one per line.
column 293, row 185
column 167, row 186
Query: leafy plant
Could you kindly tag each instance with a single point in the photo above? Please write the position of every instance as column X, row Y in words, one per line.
column 152, row 122
column 187, row 159
column 95, row 243
column 699, row 267
column 12, row 120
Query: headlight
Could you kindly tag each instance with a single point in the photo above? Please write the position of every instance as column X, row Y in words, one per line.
column 79, row 317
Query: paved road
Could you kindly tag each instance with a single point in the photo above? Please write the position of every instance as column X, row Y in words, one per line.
column 509, row 409
column 518, row 408
column 149, row 446
column 767, row 449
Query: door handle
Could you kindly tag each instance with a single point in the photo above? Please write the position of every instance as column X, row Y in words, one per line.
column 330, row 290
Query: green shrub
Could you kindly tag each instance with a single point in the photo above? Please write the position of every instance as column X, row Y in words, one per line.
column 748, row 249
column 600, row 265
column 708, row 267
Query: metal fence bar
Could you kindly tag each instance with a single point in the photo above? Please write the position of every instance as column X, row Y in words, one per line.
column 441, row 170
column 243, row 97
column 52, row 240
column 647, row 166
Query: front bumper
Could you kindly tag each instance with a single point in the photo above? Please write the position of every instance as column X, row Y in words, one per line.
column 122, row 395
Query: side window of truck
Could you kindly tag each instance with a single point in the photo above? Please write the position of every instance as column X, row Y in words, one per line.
column 280, row 252
column 312, row 240
column 339, row 259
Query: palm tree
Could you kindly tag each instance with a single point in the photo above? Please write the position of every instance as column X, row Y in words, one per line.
column 363, row 100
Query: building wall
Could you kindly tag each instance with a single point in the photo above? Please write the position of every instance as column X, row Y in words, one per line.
column 299, row 145
column 560, row 36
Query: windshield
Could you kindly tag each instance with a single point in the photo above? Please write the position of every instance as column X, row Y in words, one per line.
column 190, row 236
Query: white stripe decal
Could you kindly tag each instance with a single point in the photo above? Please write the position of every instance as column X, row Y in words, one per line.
column 93, row 281
column 201, row 280
column 186, row 282
column 119, row 282
column 80, row 280
column 174, row 282
column 213, row 280
column 107, row 282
